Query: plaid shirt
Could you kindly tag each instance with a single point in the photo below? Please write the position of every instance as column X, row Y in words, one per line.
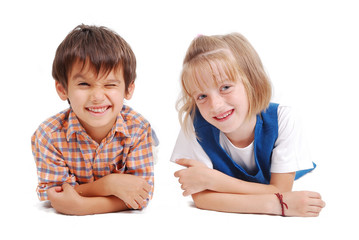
column 64, row 152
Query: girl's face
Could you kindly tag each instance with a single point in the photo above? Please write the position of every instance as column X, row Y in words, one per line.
column 225, row 105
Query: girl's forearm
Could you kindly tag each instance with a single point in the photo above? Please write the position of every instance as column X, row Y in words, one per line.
column 220, row 182
column 237, row 203
column 299, row 204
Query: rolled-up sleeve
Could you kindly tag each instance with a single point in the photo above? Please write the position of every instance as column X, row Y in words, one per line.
column 51, row 167
column 139, row 161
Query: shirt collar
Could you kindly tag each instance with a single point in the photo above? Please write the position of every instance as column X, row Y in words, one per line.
column 74, row 126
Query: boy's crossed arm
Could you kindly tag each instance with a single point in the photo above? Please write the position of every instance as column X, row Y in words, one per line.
column 112, row 193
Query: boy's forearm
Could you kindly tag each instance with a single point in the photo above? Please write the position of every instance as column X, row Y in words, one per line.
column 97, row 188
column 96, row 205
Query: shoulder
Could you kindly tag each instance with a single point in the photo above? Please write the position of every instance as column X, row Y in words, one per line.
column 133, row 120
column 55, row 123
column 289, row 123
column 287, row 118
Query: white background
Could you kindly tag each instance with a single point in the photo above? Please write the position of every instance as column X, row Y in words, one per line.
column 310, row 50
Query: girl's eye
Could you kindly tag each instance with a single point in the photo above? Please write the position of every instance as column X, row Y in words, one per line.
column 224, row 88
column 201, row 97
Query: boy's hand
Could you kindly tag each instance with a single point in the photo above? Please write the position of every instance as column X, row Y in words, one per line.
column 133, row 190
column 65, row 199
column 194, row 178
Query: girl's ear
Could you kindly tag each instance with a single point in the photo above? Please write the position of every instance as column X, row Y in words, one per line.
column 61, row 91
column 130, row 90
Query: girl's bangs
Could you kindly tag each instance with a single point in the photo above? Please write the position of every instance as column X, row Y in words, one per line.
column 208, row 70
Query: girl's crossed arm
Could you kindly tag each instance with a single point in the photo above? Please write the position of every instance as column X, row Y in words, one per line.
column 198, row 177
column 213, row 190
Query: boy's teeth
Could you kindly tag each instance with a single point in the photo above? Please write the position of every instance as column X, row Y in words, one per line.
column 98, row 110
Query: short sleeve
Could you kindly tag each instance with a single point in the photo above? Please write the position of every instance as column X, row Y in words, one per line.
column 290, row 153
column 188, row 147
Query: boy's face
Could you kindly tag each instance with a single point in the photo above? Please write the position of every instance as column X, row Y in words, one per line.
column 96, row 100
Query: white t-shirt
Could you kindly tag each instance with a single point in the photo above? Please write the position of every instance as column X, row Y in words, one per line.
column 290, row 152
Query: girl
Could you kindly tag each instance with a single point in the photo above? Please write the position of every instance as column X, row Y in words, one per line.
column 240, row 150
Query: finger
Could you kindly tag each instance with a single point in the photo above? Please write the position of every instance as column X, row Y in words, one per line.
column 66, row 186
column 58, row 189
column 147, row 187
column 133, row 204
column 141, row 202
column 313, row 209
column 178, row 173
column 185, row 162
column 314, row 195
column 187, row 193
column 317, row 203
column 51, row 192
column 311, row 214
column 144, row 195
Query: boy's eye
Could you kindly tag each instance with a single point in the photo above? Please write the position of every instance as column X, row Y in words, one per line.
column 110, row 85
column 83, row 84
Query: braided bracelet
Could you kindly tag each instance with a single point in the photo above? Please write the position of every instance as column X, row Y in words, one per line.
column 282, row 204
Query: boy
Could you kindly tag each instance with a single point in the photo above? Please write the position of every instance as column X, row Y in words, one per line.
column 96, row 156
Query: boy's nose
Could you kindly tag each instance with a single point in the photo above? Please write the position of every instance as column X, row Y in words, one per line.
column 98, row 95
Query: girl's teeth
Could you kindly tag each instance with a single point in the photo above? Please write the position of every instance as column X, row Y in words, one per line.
column 224, row 116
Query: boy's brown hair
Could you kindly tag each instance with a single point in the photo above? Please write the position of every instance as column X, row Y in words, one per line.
column 103, row 48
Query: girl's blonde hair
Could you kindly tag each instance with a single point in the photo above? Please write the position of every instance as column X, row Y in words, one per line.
column 234, row 58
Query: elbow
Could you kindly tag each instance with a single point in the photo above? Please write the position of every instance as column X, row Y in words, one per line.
column 199, row 200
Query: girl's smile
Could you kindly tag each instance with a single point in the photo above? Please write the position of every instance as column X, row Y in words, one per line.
column 225, row 106
column 224, row 116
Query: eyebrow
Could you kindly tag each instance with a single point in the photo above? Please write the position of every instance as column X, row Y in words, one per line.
column 82, row 77
column 113, row 80
column 78, row 76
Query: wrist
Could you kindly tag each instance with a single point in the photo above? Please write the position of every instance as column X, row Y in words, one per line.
column 214, row 180
column 272, row 205
column 106, row 184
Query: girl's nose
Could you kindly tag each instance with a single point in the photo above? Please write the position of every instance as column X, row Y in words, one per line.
column 216, row 102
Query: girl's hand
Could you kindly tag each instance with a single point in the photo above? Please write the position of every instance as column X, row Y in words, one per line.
column 194, row 178
column 303, row 204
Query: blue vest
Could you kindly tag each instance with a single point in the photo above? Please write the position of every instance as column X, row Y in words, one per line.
column 265, row 135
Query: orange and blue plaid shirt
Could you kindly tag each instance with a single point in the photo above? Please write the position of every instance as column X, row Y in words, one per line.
column 64, row 152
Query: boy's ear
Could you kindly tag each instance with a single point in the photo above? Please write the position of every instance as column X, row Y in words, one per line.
column 61, row 91
column 130, row 90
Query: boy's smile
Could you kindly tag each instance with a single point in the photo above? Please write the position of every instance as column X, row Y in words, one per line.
column 96, row 99
column 98, row 110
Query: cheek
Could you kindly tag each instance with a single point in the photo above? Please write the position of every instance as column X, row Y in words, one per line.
column 205, row 111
